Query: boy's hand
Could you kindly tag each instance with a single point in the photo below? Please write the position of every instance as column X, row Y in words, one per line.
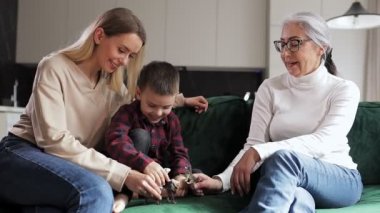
column 155, row 171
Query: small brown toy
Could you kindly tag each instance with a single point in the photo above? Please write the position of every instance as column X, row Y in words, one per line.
column 171, row 189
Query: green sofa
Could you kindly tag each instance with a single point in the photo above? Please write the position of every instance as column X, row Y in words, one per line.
column 215, row 137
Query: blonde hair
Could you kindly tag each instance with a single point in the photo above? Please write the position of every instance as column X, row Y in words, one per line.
column 114, row 22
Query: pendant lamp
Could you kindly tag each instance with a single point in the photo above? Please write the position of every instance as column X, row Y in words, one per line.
column 355, row 18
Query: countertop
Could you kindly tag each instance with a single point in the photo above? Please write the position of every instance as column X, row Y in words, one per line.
column 12, row 109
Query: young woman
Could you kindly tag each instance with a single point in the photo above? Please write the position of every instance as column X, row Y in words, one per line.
column 53, row 154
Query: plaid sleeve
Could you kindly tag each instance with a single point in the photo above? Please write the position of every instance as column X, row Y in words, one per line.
column 119, row 145
column 179, row 158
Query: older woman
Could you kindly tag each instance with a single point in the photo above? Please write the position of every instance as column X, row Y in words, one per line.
column 298, row 134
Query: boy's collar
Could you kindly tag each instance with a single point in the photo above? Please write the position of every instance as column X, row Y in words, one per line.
column 141, row 115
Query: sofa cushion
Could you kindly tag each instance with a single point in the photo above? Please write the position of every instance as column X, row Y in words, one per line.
column 369, row 203
column 215, row 137
column 226, row 203
column 364, row 140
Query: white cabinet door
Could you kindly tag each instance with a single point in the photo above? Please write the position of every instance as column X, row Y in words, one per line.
column 152, row 14
column 41, row 29
column 45, row 26
column 220, row 33
column 81, row 14
column 191, row 32
column 241, row 33
column 280, row 9
column 8, row 117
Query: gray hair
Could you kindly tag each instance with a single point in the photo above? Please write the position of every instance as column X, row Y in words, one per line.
column 317, row 30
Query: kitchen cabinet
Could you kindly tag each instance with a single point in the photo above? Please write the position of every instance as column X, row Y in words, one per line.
column 153, row 16
column 217, row 33
column 8, row 117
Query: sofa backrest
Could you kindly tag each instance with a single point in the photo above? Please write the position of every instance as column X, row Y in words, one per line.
column 215, row 137
column 364, row 140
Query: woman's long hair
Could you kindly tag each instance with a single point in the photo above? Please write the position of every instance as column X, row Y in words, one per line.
column 114, row 22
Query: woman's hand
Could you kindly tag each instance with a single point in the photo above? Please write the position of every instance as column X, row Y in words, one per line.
column 143, row 184
column 205, row 184
column 198, row 102
column 241, row 175
column 157, row 173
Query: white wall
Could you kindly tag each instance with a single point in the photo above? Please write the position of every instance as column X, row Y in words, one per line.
column 241, row 34
column 217, row 33
column 349, row 46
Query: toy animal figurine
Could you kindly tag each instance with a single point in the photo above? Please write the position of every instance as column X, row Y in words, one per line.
column 190, row 179
column 171, row 189
column 171, row 186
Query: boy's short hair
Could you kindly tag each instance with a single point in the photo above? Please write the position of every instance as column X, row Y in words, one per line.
column 159, row 76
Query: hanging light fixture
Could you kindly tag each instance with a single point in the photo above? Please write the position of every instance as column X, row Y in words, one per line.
column 355, row 18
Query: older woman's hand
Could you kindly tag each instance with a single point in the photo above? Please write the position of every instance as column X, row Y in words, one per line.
column 206, row 185
column 241, row 175
column 198, row 102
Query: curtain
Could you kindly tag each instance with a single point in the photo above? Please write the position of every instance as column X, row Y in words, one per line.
column 372, row 62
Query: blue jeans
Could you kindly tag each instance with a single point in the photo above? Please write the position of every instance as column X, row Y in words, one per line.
column 141, row 140
column 293, row 182
column 40, row 182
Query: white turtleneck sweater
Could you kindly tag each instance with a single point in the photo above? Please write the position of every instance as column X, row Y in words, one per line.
column 311, row 115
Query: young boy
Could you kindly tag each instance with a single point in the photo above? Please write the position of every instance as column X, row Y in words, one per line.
column 146, row 133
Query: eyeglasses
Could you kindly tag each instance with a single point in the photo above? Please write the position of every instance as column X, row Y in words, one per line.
column 293, row 45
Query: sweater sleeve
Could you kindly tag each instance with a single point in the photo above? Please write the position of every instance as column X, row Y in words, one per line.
column 179, row 100
column 118, row 143
column 178, row 157
column 52, row 134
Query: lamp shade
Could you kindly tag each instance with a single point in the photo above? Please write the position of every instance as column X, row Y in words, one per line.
column 355, row 18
